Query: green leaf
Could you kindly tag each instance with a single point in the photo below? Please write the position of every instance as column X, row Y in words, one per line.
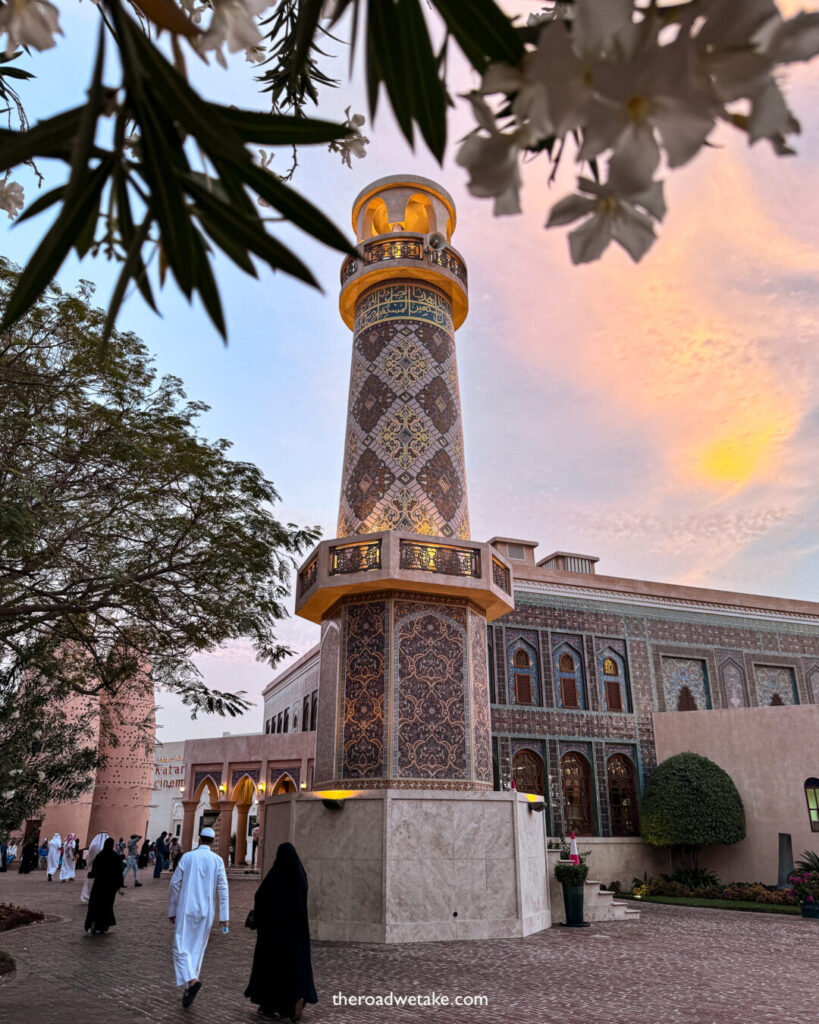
column 309, row 12
column 426, row 88
column 278, row 129
column 205, row 283
column 130, row 268
column 42, row 203
column 15, row 73
column 50, row 138
column 49, row 255
column 249, row 235
column 296, row 208
column 484, row 33
column 385, row 63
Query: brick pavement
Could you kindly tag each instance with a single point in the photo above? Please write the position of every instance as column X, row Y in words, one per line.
column 674, row 965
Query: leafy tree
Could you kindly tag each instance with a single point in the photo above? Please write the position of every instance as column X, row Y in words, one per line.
column 125, row 537
column 691, row 802
column 623, row 87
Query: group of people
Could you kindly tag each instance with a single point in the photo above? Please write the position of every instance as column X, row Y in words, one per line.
column 281, row 979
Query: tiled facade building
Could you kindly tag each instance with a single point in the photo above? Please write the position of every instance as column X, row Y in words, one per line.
column 584, row 661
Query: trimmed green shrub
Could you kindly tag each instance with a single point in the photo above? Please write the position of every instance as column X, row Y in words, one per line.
column 571, row 874
column 691, row 802
column 694, row 878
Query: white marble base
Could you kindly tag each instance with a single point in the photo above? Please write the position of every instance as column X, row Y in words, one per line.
column 416, row 865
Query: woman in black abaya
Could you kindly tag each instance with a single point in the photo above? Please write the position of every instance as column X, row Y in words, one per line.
column 281, row 981
column 144, row 855
column 28, row 858
column 107, row 874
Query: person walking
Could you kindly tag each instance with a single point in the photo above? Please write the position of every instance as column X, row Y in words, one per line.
column 281, row 979
column 160, row 853
column 174, row 852
column 120, row 848
column 94, row 849
column 107, row 876
column 199, row 875
column 131, row 862
column 53, row 855
column 144, row 855
column 67, row 868
column 28, row 858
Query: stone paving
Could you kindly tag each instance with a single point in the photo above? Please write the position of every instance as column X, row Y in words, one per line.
column 674, row 965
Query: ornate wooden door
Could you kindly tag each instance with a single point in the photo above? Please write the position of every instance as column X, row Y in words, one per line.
column 527, row 771
column 577, row 799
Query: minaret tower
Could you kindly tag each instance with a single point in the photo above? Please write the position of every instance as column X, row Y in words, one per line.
column 403, row 596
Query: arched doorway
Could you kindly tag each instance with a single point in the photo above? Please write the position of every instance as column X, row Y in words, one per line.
column 242, row 795
column 284, row 785
column 527, row 771
column 622, row 796
column 578, row 812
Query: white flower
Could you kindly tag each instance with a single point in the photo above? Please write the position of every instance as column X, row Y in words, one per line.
column 353, row 145
column 8, row 796
column 654, row 93
column 40, row 776
column 255, row 54
column 233, row 23
column 610, row 215
column 29, row 23
column 492, row 159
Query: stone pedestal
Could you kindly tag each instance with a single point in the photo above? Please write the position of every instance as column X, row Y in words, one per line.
column 416, row 866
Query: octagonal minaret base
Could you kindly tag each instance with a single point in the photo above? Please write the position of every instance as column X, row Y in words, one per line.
column 399, row 865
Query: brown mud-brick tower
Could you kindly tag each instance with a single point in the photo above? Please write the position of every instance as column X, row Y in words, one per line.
column 403, row 595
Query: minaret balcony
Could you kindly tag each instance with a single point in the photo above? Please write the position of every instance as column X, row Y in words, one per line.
column 404, row 254
column 392, row 561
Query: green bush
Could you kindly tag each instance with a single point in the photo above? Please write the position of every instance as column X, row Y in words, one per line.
column 663, row 887
column 694, row 878
column 690, row 802
column 571, row 874
column 808, row 862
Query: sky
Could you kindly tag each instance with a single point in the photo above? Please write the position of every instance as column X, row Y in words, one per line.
column 662, row 415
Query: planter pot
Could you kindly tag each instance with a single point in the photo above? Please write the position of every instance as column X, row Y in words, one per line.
column 810, row 909
column 573, row 905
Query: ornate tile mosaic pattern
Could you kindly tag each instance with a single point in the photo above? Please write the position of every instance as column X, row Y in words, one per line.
column 685, row 672
column 404, row 461
column 364, row 690
column 432, row 698
column 775, row 684
column 481, row 721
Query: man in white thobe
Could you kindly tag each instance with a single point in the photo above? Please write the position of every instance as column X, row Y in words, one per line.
column 53, row 860
column 67, row 866
column 199, row 875
column 94, row 848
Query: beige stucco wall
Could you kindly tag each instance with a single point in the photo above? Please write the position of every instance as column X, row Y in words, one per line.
column 768, row 752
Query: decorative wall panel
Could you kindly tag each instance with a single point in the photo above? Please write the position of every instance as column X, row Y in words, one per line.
column 432, row 708
column 775, row 684
column 365, row 675
column 328, row 724
column 685, row 674
column 481, row 724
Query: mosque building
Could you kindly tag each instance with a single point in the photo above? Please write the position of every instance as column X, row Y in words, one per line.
column 454, row 665
column 453, row 676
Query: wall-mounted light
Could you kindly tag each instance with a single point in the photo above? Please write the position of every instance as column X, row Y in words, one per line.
column 223, row 788
column 181, row 789
column 539, row 806
column 260, row 787
column 333, row 805
column 302, row 784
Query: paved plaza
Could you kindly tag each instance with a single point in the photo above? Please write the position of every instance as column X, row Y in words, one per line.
column 675, row 964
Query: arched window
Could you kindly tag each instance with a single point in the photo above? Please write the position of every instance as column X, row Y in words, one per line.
column 622, row 796
column 286, row 720
column 279, row 723
column 305, row 714
column 267, row 726
column 523, row 674
column 776, row 701
column 812, row 797
column 578, row 813
column 685, row 700
column 295, row 723
column 613, row 682
column 527, row 771
column 569, row 679
column 313, row 710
